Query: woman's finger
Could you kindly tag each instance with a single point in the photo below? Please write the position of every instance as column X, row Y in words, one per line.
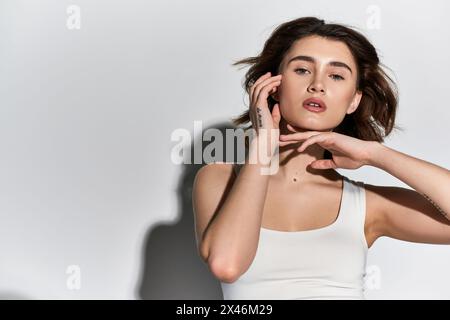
column 256, row 87
column 276, row 115
column 263, row 93
column 291, row 128
column 314, row 139
column 260, row 79
column 285, row 143
column 299, row 135
column 264, row 86
column 291, row 138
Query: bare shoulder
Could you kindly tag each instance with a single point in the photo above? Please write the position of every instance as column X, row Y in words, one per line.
column 210, row 188
column 214, row 174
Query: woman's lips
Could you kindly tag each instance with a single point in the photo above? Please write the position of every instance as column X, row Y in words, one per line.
column 313, row 109
column 314, row 105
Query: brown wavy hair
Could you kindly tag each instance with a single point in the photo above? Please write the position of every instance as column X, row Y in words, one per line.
column 374, row 118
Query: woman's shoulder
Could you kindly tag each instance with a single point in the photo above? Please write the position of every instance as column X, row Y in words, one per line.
column 217, row 171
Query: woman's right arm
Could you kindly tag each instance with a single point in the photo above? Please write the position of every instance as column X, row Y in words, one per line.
column 228, row 220
column 228, row 232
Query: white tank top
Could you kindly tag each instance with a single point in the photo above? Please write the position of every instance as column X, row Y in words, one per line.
column 324, row 263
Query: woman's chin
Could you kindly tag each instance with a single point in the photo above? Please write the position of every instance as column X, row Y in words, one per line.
column 302, row 127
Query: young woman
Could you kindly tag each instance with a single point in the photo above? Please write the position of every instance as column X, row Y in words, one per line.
column 304, row 232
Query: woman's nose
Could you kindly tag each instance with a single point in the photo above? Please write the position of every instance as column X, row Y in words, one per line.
column 316, row 86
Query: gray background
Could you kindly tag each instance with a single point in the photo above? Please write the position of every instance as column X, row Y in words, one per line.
column 86, row 176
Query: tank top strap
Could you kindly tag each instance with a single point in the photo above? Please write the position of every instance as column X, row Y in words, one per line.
column 354, row 207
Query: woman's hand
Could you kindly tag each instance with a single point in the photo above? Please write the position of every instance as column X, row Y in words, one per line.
column 260, row 115
column 347, row 152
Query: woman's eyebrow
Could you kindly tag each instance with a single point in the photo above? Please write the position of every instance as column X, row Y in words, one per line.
column 311, row 59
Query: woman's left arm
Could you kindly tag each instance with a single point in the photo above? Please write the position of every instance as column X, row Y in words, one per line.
column 428, row 179
column 420, row 215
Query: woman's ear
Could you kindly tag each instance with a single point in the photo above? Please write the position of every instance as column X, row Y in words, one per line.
column 355, row 102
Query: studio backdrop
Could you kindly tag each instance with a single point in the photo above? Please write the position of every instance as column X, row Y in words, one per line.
column 96, row 98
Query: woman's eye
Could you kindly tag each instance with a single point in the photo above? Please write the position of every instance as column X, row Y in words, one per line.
column 302, row 70
column 336, row 77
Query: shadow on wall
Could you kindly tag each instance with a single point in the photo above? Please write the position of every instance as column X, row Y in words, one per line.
column 12, row 295
column 172, row 267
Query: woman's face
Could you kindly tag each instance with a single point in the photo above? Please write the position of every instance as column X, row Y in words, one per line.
column 323, row 69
